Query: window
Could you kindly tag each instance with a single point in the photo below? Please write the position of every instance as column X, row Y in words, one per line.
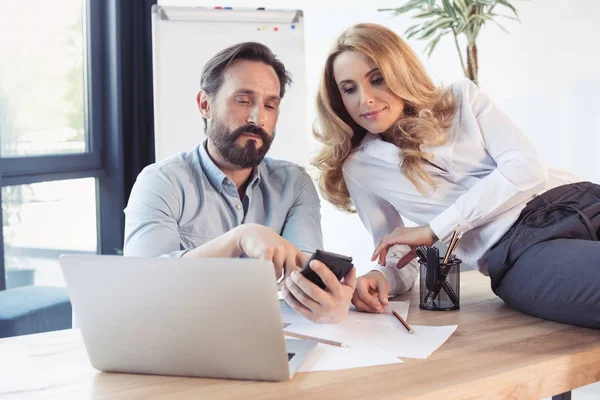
column 43, row 220
column 42, row 97
column 60, row 161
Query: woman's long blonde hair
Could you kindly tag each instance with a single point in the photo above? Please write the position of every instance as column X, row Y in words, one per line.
column 428, row 111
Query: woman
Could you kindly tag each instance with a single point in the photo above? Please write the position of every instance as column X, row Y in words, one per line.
column 395, row 145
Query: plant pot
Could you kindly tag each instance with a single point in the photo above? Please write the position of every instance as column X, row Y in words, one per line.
column 19, row 277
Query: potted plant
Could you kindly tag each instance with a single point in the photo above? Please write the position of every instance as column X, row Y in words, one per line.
column 457, row 18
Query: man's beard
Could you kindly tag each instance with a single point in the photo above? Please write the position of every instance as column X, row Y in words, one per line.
column 248, row 156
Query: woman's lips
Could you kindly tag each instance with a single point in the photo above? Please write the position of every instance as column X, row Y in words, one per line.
column 373, row 114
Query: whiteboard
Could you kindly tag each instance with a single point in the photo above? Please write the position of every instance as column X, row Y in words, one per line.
column 185, row 38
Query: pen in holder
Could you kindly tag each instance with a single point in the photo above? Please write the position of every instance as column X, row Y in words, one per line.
column 440, row 283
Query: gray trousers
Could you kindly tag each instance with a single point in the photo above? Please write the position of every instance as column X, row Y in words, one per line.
column 548, row 263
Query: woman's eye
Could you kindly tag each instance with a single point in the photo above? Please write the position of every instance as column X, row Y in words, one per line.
column 377, row 81
column 349, row 90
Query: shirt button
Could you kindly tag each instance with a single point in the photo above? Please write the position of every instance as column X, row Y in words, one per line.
column 226, row 181
column 238, row 206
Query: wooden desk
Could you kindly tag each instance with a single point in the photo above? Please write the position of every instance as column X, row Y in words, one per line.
column 496, row 353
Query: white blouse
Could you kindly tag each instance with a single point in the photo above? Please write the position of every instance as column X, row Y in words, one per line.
column 485, row 174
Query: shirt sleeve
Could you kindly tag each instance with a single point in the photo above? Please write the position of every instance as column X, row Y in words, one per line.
column 381, row 218
column 302, row 226
column 151, row 217
column 520, row 172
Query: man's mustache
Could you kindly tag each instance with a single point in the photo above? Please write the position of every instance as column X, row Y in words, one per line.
column 256, row 130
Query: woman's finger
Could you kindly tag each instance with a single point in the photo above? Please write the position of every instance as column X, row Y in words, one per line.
column 382, row 244
column 383, row 257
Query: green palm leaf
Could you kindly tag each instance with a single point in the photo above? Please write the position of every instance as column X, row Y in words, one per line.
column 507, row 4
column 431, row 45
column 437, row 18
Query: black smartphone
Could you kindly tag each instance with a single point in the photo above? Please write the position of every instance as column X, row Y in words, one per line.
column 338, row 264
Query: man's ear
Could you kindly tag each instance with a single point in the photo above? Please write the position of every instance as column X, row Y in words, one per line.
column 203, row 104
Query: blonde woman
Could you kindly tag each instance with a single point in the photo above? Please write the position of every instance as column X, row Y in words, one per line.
column 395, row 145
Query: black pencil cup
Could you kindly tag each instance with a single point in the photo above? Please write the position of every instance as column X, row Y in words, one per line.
column 440, row 290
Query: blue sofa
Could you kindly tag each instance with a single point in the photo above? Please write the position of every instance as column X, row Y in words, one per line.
column 34, row 309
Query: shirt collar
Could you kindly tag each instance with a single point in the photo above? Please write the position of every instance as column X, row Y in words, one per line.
column 369, row 137
column 255, row 175
column 218, row 177
column 214, row 173
column 372, row 145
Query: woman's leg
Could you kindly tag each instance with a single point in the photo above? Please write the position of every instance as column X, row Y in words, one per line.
column 558, row 280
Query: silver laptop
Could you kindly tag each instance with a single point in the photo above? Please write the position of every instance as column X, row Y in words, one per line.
column 214, row 318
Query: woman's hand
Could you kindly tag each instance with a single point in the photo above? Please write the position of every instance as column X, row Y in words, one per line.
column 412, row 237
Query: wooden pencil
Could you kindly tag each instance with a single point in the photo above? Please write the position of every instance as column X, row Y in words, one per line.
column 408, row 328
column 450, row 245
column 453, row 249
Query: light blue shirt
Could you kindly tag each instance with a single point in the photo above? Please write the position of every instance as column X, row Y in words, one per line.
column 182, row 202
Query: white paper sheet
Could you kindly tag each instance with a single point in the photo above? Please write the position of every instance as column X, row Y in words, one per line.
column 401, row 307
column 330, row 358
column 421, row 344
column 375, row 331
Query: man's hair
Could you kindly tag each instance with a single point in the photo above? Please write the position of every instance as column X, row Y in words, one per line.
column 214, row 70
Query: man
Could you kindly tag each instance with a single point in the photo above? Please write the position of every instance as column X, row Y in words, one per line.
column 224, row 199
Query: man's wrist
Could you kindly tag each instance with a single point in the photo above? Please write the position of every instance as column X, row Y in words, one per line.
column 237, row 235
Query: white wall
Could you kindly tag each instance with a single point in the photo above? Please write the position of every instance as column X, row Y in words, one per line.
column 545, row 74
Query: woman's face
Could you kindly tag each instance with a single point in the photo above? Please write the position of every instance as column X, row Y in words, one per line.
column 366, row 96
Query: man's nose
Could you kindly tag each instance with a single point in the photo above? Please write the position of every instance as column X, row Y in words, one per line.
column 256, row 116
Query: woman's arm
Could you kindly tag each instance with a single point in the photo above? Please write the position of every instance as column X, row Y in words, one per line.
column 380, row 218
column 519, row 175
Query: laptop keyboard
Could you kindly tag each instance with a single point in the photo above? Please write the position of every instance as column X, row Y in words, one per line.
column 290, row 355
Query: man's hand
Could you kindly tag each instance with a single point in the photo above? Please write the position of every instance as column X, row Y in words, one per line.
column 258, row 241
column 371, row 294
column 321, row 306
column 413, row 237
